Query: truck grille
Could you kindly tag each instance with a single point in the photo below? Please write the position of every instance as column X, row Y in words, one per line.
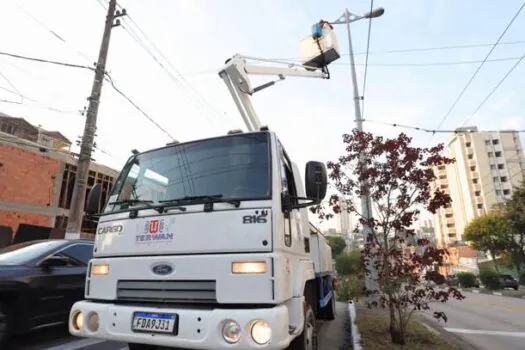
column 167, row 291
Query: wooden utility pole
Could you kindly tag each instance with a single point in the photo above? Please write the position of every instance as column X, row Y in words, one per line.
column 76, row 212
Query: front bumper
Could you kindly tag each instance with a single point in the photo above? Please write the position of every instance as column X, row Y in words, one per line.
column 197, row 328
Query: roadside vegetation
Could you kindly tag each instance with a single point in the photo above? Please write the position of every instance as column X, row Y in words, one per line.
column 398, row 178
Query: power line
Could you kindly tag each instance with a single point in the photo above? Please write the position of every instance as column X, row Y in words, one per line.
column 110, row 80
column 53, row 33
column 437, row 48
column 494, row 89
column 428, row 64
column 42, row 60
column 177, row 78
column 439, row 131
column 366, row 58
column 479, row 68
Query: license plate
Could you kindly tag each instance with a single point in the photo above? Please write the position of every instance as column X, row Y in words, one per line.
column 152, row 322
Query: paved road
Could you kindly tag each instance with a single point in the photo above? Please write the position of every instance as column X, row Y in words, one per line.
column 331, row 336
column 486, row 321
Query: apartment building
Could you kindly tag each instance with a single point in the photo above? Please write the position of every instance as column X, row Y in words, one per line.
column 488, row 165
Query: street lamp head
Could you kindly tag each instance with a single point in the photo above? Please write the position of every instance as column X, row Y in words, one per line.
column 374, row 13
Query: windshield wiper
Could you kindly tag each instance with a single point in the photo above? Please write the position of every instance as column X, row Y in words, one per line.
column 208, row 199
column 147, row 204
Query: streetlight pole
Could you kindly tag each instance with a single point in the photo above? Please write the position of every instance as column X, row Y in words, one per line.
column 366, row 203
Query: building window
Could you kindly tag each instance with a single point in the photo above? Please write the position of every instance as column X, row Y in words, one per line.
column 504, row 179
column 450, row 225
column 498, row 192
column 480, row 206
column 492, row 167
column 473, row 168
column 468, row 144
column 441, row 167
column 495, row 142
column 506, row 192
column 448, row 215
column 442, row 177
column 495, row 179
column 474, row 181
column 497, row 154
column 477, row 193
column 501, row 166
column 490, row 154
column 487, row 142
column 471, row 156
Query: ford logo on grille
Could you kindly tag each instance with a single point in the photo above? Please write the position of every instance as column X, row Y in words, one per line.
column 162, row 269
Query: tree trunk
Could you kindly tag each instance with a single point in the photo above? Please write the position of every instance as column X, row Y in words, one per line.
column 396, row 334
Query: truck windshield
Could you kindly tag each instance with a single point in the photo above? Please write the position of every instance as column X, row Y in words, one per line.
column 236, row 167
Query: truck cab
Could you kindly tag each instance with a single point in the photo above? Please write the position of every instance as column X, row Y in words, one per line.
column 207, row 245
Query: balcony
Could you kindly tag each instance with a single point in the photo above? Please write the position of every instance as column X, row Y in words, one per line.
column 450, row 221
column 448, row 211
column 471, row 162
column 474, row 174
column 476, row 187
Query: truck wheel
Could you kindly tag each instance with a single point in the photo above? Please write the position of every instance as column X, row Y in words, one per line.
column 307, row 340
column 5, row 325
column 330, row 312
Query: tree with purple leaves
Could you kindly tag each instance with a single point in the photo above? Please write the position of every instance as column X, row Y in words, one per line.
column 397, row 177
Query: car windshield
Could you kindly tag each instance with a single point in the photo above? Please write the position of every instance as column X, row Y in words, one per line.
column 22, row 253
column 234, row 167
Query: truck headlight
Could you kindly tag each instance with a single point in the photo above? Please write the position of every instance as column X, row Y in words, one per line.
column 231, row 331
column 249, row 267
column 261, row 332
column 77, row 321
column 99, row 270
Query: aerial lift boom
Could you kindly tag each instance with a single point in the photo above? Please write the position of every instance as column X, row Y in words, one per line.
column 318, row 51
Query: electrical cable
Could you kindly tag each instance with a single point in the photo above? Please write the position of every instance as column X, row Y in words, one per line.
column 437, row 131
column 42, row 60
column 366, row 60
column 479, row 68
column 494, row 90
column 110, row 80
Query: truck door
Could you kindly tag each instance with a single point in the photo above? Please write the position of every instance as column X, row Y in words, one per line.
column 292, row 217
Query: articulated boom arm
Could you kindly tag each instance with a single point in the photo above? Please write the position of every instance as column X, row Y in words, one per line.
column 236, row 77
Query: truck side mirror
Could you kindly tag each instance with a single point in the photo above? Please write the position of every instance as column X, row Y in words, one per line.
column 93, row 199
column 315, row 180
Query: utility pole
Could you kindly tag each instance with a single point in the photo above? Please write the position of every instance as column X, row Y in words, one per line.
column 366, row 204
column 76, row 212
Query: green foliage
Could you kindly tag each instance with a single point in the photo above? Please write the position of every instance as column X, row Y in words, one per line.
column 522, row 278
column 489, row 278
column 349, row 263
column 350, row 288
column 487, row 232
column 466, row 279
column 337, row 244
column 514, row 212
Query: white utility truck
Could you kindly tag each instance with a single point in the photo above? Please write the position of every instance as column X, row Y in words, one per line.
column 207, row 244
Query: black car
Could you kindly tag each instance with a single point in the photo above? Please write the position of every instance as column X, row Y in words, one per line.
column 39, row 282
column 507, row 281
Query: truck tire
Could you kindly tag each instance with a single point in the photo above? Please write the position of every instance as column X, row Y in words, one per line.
column 5, row 325
column 307, row 340
column 329, row 311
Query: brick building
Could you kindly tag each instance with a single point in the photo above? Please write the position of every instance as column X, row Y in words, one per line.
column 37, row 178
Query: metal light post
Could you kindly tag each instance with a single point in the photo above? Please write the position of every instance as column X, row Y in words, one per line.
column 366, row 205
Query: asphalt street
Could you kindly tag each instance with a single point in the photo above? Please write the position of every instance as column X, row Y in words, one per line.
column 331, row 336
column 485, row 321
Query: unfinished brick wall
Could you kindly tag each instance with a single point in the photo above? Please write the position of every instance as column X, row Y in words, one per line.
column 27, row 177
column 13, row 219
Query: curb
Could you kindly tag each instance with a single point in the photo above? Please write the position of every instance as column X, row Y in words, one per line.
column 356, row 344
column 477, row 291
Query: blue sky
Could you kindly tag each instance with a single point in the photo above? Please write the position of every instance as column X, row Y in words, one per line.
column 309, row 115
